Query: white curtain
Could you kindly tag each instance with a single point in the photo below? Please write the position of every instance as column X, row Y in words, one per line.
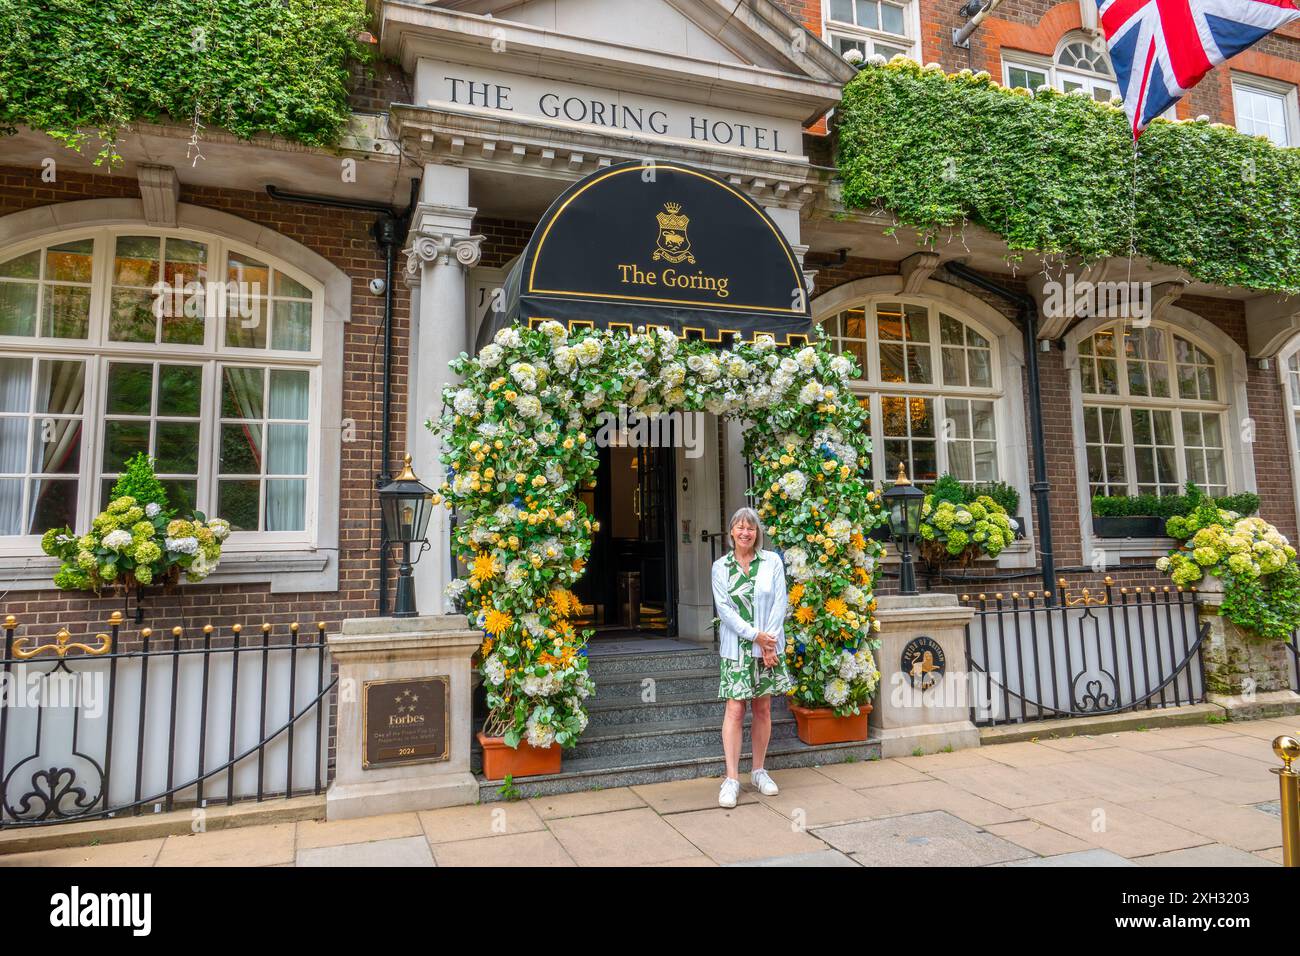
column 15, row 396
column 286, row 450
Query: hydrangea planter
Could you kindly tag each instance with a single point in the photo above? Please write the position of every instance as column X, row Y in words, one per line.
column 820, row 725
column 501, row 760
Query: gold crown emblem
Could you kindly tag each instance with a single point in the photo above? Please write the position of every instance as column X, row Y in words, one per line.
column 669, row 218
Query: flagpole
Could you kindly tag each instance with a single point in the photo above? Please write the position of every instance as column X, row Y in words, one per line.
column 960, row 37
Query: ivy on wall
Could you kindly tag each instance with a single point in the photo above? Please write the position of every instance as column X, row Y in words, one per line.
column 76, row 69
column 1057, row 174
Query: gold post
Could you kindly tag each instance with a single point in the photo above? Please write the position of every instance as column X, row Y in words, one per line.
column 1288, row 749
column 902, row 475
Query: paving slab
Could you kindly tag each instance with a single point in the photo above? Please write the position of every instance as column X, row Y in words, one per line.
column 1075, row 744
column 1217, row 762
column 920, row 839
column 411, row 851
column 678, row 796
column 1234, row 791
column 1114, row 827
column 1010, row 787
column 479, row 820
column 244, row 846
column 1037, row 838
column 788, row 779
column 1149, row 740
column 939, row 795
column 1273, row 855
column 751, row 832
column 1256, row 748
column 1090, row 778
column 1215, row 854
column 1243, row 827
column 818, row 858
column 621, row 838
column 872, row 773
column 826, row 804
column 536, row 848
column 392, row 826
column 929, row 763
column 585, row 802
column 1026, row 753
column 1151, row 767
column 135, row 853
column 1081, row 858
column 1265, row 729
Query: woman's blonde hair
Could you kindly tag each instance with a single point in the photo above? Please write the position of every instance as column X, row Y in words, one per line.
column 748, row 516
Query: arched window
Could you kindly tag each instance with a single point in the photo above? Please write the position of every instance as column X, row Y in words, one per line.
column 1154, row 411
column 1080, row 63
column 931, row 382
column 196, row 350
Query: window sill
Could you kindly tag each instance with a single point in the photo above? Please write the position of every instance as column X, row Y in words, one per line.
column 1134, row 547
column 286, row 571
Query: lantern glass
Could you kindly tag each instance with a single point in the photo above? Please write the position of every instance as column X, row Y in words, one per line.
column 407, row 505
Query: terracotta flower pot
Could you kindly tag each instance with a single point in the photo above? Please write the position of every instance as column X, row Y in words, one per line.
column 819, row 725
column 526, row 760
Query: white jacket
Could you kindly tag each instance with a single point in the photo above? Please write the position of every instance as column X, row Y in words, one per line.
column 770, row 603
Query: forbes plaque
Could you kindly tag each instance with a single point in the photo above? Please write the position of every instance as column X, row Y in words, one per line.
column 404, row 721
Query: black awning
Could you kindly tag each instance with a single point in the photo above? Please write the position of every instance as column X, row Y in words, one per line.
column 658, row 245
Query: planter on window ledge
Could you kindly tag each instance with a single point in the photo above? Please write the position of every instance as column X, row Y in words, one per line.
column 501, row 760
column 1129, row 526
column 820, row 725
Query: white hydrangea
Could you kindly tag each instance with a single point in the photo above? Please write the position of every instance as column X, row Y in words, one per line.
column 219, row 527
column 528, row 406
column 509, row 338
column 186, row 545
column 539, row 734
column 465, row 402
column 806, row 359
column 525, row 376
column 811, row 393
column 494, row 669
column 151, row 509
column 491, row 355
column 836, row 691
column 117, row 540
column 793, row 483
column 842, row 367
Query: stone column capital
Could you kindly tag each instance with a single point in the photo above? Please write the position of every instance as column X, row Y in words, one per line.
column 443, row 249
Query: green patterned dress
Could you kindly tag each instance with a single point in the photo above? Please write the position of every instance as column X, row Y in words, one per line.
column 749, row 678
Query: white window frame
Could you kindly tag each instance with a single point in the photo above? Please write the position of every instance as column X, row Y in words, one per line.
column 291, row 560
column 910, row 42
column 1057, row 74
column 1290, row 382
column 1245, row 82
column 1231, row 374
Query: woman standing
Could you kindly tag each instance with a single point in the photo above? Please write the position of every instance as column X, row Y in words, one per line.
column 750, row 596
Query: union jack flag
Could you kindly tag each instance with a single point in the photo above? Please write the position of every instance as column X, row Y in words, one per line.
column 1160, row 49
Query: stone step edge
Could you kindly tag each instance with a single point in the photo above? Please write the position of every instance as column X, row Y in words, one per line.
column 663, row 728
column 1105, row 723
column 697, row 673
column 691, row 756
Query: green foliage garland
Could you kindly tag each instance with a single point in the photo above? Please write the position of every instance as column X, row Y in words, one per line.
column 248, row 66
column 1054, row 173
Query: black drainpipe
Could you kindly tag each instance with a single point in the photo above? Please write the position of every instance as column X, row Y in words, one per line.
column 1028, row 320
column 389, row 231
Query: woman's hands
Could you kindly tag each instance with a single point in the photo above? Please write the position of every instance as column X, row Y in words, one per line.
column 767, row 644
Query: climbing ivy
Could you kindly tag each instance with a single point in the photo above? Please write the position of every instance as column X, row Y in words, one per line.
column 76, row 69
column 1058, row 174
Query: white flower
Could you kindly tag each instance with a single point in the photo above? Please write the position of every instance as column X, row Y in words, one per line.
column 525, row 375
column 854, row 57
column 491, row 355
column 836, row 691
column 528, row 406
column 806, row 359
column 508, row 338
column 793, row 483
column 841, row 366
column 187, row 545
column 117, row 540
column 219, row 527
column 151, row 509
column 456, row 588
column 539, row 734
column 465, row 402
column 494, row 669
column 554, row 330
column 811, row 393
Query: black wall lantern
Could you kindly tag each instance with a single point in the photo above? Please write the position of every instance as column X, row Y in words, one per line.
column 904, row 501
column 407, row 505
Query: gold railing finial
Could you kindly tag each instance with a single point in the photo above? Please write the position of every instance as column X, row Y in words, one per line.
column 1288, row 748
column 902, row 475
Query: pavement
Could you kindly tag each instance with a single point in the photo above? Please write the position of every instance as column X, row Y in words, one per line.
column 1198, row 795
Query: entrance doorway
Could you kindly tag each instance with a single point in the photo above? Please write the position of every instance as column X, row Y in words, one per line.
column 631, row 582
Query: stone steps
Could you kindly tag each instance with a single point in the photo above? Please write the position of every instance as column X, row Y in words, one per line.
column 686, row 763
column 675, row 736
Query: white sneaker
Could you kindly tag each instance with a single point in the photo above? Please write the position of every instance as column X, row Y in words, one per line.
column 729, row 793
column 766, row 785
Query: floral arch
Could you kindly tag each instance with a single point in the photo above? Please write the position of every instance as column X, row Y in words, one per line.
column 519, row 437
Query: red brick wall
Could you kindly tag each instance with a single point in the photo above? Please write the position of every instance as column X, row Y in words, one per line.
column 341, row 237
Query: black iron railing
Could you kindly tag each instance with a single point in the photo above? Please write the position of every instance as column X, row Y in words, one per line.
column 1038, row 655
column 96, row 728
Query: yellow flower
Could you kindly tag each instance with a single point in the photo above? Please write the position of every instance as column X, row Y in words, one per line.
column 497, row 622
column 805, row 615
column 836, row 607
column 560, row 601
column 858, row 541
column 796, row 593
column 489, row 473
column 485, row 567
